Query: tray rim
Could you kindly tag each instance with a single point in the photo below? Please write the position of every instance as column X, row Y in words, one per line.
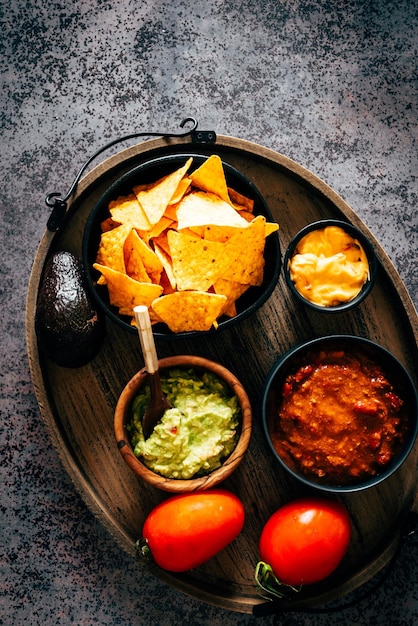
column 80, row 482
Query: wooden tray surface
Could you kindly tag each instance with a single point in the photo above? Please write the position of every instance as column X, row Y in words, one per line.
column 77, row 405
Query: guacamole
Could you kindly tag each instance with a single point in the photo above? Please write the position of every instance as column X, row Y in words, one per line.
column 194, row 436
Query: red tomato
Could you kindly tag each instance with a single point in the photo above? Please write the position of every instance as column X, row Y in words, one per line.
column 305, row 540
column 186, row 530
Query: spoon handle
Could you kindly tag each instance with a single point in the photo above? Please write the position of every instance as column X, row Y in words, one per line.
column 146, row 338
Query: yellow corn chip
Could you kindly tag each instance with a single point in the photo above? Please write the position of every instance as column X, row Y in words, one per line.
column 171, row 212
column 240, row 201
column 181, row 190
column 154, row 201
column 125, row 311
column 135, row 245
column 247, row 215
column 135, row 269
column 200, row 209
column 271, row 227
column 165, row 283
column 232, row 290
column 125, row 292
column 210, row 177
column 230, row 310
column 110, row 252
column 219, row 233
column 245, row 254
column 161, row 242
column 134, row 263
column 196, row 231
column 197, row 263
column 167, row 264
column 156, row 230
column 127, row 210
column 108, row 224
column 184, row 311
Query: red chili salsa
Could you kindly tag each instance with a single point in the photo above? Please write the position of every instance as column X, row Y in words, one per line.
column 340, row 420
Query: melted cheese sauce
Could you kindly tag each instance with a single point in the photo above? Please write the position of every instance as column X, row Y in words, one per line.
column 329, row 266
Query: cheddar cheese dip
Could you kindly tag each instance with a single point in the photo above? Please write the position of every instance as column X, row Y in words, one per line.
column 329, row 266
column 339, row 419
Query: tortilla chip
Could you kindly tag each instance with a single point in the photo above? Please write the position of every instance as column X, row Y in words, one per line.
column 167, row 264
column 232, row 290
column 245, row 254
column 161, row 242
column 108, row 224
column 165, row 283
column 219, row 233
column 154, row 201
column 271, row 227
column 210, row 177
column 240, row 201
column 246, row 215
column 230, row 310
column 138, row 247
column 200, row 209
column 134, row 263
column 125, row 292
column 181, row 190
column 135, row 268
column 127, row 210
column 171, row 212
column 156, row 230
column 197, row 263
column 110, row 252
column 197, row 231
column 185, row 311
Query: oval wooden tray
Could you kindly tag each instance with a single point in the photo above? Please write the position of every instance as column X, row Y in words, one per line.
column 77, row 405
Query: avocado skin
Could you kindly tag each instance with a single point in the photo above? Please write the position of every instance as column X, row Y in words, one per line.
column 69, row 330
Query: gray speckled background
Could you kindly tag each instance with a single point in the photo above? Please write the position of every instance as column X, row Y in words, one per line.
column 331, row 84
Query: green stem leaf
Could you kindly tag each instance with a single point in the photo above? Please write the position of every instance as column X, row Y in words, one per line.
column 142, row 550
column 269, row 586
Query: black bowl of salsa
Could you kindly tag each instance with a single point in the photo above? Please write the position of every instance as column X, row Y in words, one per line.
column 340, row 413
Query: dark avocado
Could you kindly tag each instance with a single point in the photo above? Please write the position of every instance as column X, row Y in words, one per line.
column 69, row 330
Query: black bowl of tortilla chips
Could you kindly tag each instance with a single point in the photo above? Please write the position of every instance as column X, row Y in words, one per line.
column 187, row 235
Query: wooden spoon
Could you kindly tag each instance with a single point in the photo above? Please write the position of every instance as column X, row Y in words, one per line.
column 158, row 402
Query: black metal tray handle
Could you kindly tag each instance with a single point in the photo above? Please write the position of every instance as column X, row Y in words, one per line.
column 58, row 203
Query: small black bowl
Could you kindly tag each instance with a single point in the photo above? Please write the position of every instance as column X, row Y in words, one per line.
column 151, row 171
column 396, row 373
column 353, row 232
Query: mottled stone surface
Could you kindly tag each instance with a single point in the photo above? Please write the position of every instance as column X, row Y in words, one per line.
column 331, row 84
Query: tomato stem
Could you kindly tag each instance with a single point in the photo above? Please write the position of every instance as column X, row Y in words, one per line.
column 269, row 586
column 143, row 550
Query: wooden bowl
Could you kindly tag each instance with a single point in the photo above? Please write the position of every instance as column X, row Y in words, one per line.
column 297, row 358
column 353, row 232
column 151, row 171
column 174, row 485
